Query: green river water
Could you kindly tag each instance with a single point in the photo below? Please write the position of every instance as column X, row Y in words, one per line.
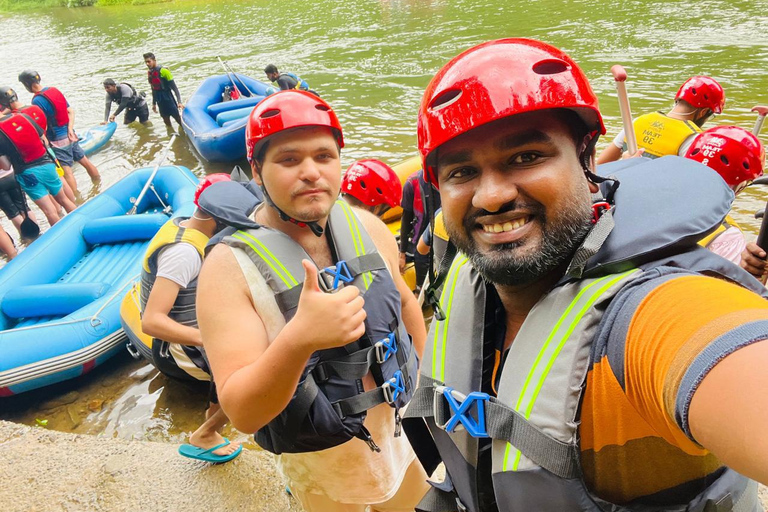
column 371, row 59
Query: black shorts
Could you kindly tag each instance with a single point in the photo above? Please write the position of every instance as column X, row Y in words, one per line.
column 140, row 112
column 168, row 107
column 11, row 198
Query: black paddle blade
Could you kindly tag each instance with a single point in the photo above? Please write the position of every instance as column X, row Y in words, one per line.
column 29, row 228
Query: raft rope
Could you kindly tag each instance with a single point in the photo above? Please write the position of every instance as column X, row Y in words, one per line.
column 94, row 319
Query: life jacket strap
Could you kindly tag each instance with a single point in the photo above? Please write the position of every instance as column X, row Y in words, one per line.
column 288, row 300
column 448, row 408
column 388, row 392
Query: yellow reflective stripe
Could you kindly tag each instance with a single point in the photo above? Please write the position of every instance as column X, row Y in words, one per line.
column 357, row 239
column 441, row 328
column 266, row 255
column 612, row 279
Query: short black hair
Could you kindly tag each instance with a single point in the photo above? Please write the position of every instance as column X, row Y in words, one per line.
column 149, row 55
column 109, row 82
column 271, row 68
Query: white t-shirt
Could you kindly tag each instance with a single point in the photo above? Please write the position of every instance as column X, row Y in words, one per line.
column 729, row 244
column 179, row 263
column 350, row 472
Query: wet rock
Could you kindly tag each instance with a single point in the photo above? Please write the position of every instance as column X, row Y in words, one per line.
column 74, row 416
column 95, row 405
column 62, row 400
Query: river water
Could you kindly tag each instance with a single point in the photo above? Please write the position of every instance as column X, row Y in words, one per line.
column 371, row 59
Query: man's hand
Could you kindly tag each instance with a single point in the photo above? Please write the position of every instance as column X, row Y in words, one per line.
column 180, row 105
column 154, row 107
column 328, row 320
column 402, row 262
column 72, row 135
column 636, row 154
column 754, row 261
column 111, row 119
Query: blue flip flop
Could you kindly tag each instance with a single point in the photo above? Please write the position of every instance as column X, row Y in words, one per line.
column 193, row 452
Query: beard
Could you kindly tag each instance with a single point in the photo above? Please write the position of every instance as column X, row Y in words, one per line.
column 506, row 264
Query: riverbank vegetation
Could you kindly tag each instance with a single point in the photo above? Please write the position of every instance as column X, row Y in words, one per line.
column 23, row 5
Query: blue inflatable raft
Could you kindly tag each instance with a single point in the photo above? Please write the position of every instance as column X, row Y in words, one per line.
column 60, row 298
column 95, row 138
column 217, row 128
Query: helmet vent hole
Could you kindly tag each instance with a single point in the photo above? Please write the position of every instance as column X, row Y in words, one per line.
column 270, row 113
column 724, row 159
column 693, row 91
column 362, row 184
column 322, row 107
column 695, row 151
column 380, row 192
column 745, row 165
column 550, row 67
column 445, row 99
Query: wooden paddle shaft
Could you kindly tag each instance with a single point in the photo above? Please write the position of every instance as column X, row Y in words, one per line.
column 620, row 76
column 761, row 112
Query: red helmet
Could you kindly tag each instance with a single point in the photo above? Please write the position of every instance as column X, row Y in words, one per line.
column 207, row 182
column 285, row 110
column 703, row 92
column 499, row 79
column 372, row 182
column 735, row 153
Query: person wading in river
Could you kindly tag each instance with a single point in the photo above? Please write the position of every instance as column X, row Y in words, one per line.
column 659, row 134
column 163, row 89
column 585, row 362
column 127, row 99
column 310, row 330
column 61, row 127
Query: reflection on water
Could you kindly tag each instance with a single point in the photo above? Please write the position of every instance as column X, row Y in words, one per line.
column 371, row 59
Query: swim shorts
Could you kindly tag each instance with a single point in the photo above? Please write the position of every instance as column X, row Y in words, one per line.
column 40, row 181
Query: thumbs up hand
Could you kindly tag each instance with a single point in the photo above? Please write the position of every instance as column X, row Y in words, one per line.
column 328, row 320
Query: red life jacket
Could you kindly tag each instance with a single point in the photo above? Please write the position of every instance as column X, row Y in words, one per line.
column 155, row 81
column 59, row 103
column 21, row 132
column 36, row 113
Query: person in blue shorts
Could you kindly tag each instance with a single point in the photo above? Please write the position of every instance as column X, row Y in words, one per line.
column 60, row 131
column 22, row 146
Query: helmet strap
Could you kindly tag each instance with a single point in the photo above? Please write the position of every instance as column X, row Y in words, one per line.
column 316, row 229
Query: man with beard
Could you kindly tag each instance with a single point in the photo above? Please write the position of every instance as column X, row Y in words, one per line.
column 584, row 363
column 311, row 332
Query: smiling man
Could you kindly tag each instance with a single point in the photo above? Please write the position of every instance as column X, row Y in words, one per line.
column 310, row 330
column 585, row 362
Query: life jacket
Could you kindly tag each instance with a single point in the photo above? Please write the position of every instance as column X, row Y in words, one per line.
column 329, row 405
column 534, row 420
column 155, row 80
column 301, row 84
column 36, row 113
column 20, row 131
column 59, row 104
column 118, row 97
column 727, row 223
column 660, row 135
column 174, row 359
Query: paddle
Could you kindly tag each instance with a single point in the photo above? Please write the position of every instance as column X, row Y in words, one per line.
column 620, row 76
column 229, row 69
column 762, row 237
column 151, row 176
column 28, row 227
column 237, row 91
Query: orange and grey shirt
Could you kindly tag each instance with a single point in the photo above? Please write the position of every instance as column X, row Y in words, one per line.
column 659, row 338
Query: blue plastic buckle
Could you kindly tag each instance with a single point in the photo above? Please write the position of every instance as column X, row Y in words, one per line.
column 340, row 273
column 393, row 387
column 460, row 407
column 386, row 348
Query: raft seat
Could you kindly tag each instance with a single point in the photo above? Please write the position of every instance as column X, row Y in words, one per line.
column 123, row 228
column 231, row 115
column 224, row 106
column 53, row 299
